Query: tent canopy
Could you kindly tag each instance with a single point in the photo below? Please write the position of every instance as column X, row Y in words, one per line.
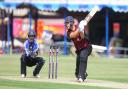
column 71, row 5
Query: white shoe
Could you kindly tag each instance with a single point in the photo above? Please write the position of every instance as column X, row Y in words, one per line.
column 80, row 80
column 37, row 76
column 85, row 80
column 22, row 75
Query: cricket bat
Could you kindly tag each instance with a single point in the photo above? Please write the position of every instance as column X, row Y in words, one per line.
column 91, row 14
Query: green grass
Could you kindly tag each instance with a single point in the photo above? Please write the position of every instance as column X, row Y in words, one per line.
column 113, row 69
column 101, row 68
column 10, row 84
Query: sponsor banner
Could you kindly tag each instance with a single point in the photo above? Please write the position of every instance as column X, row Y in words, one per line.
column 21, row 27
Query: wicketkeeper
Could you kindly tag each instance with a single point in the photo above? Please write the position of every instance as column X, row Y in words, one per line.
column 82, row 45
column 29, row 57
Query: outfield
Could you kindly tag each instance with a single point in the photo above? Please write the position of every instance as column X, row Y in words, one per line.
column 99, row 68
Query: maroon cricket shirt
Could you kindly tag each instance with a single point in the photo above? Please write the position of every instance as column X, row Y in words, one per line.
column 79, row 42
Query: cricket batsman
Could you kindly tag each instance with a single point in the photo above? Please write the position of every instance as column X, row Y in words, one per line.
column 81, row 42
column 82, row 45
column 29, row 57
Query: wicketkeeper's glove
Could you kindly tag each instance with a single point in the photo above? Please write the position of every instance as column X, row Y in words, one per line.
column 33, row 54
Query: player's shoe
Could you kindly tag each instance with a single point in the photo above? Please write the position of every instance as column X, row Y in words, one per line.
column 36, row 76
column 85, row 80
column 85, row 77
column 80, row 80
column 23, row 76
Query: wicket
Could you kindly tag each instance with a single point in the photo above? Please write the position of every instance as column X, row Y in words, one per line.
column 53, row 62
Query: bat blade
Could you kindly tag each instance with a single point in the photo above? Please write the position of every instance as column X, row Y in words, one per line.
column 92, row 13
column 94, row 10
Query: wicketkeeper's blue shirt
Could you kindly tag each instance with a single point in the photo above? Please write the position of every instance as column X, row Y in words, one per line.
column 35, row 46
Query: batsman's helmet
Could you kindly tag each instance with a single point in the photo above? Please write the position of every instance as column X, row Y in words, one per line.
column 31, row 33
column 69, row 19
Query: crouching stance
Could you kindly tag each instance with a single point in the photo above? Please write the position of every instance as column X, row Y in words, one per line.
column 29, row 57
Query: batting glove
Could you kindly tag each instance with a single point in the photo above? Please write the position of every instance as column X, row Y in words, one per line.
column 81, row 25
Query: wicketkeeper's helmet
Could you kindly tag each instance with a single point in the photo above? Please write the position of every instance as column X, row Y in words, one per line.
column 69, row 19
column 31, row 33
